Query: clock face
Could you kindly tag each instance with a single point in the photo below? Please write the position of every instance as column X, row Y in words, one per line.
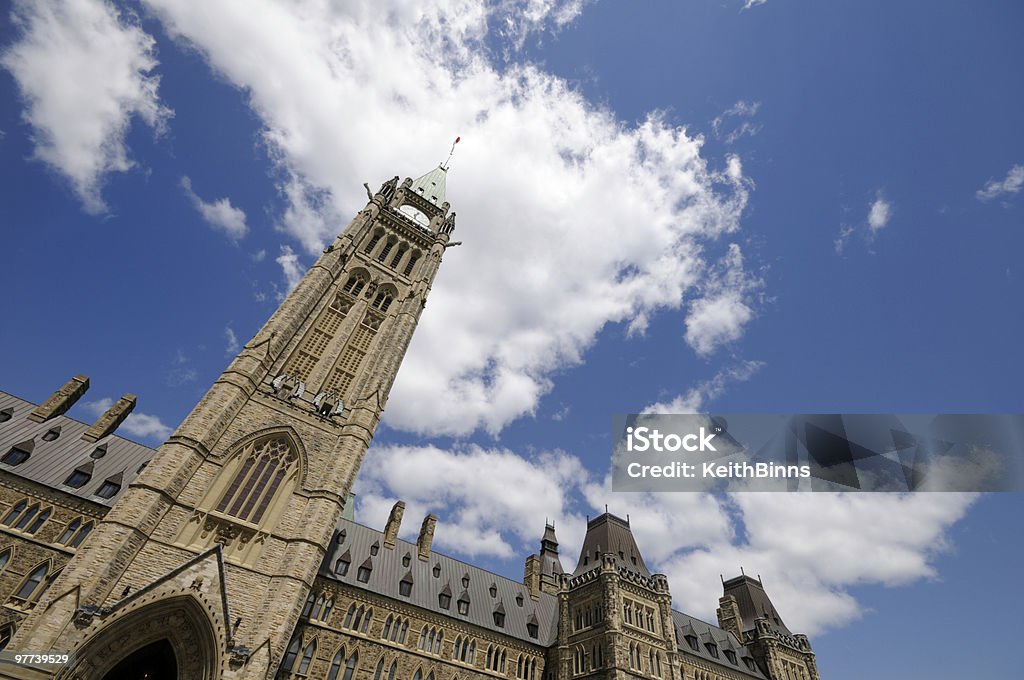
column 415, row 214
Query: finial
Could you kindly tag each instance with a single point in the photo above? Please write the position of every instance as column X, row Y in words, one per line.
column 444, row 166
column 741, row 571
column 606, row 507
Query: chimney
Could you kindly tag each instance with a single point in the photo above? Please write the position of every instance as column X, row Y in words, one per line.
column 109, row 421
column 729, row 616
column 394, row 523
column 61, row 400
column 531, row 576
column 426, row 536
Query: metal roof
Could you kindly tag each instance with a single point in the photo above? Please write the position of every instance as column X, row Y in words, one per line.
column 51, row 462
column 432, row 185
column 707, row 633
column 610, row 534
column 388, row 569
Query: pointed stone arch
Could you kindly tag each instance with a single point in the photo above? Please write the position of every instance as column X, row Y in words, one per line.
column 180, row 620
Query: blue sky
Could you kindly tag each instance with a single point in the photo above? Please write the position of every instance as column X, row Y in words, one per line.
column 792, row 206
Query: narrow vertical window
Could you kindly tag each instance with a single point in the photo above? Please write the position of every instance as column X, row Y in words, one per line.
column 289, row 656
column 307, row 657
column 336, row 664
column 31, row 585
column 15, row 512
column 350, row 666
column 40, row 521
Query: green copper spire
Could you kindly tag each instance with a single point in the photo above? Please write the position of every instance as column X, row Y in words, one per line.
column 431, row 185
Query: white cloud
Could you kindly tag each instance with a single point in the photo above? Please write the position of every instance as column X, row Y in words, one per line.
column 84, row 71
column 1011, row 184
column 695, row 399
column 493, row 502
column 753, row 3
column 719, row 316
column 845, row 233
column 532, row 181
column 232, row 341
column 219, row 214
column 879, row 213
column 291, row 268
column 141, row 425
column 741, row 109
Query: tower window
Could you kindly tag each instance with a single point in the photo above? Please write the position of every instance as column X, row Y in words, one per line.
column 372, row 243
column 382, row 301
column 385, row 251
column 354, row 285
column 399, row 254
column 264, row 469
column 411, row 264
column 19, row 453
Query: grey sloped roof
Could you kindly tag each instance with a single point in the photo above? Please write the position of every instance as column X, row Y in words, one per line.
column 388, row 571
column 705, row 632
column 52, row 462
column 754, row 603
column 610, row 534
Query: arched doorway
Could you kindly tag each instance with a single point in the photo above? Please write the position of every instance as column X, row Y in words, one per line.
column 166, row 639
column 155, row 661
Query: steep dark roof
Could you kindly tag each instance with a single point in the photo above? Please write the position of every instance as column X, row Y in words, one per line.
column 754, row 603
column 705, row 633
column 52, row 462
column 388, row 571
column 610, row 534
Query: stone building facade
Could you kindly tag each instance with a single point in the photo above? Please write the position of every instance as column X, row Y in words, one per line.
column 231, row 552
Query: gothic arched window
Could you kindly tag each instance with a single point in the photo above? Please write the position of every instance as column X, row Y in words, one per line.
column 307, row 657
column 383, row 301
column 15, row 512
column 336, row 664
column 354, row 285
column 350, row 666
column 31, row 585
column 264, row 468
column 289, row 656
column 80, row 536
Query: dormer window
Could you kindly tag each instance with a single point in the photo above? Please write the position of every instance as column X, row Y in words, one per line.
column 463, row 604
column 692, row 641
column 493, row 590
column 98, row 452
column 532, row 630
column 52, row 434
column 499, row 619
column 342, row 564
column 19, row 453
column 80, row 477
column 374, row 549
column 437, row 571
column 406, row 559
column 108, row 489
column 519, row 599
column 405, row 585
column 712, row 649
column 731, row 656
column 444, row 600
column 465, row 581
column 363, row 575
column 6, row 414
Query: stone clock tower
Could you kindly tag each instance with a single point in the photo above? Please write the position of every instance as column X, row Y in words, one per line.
column 207, row 559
